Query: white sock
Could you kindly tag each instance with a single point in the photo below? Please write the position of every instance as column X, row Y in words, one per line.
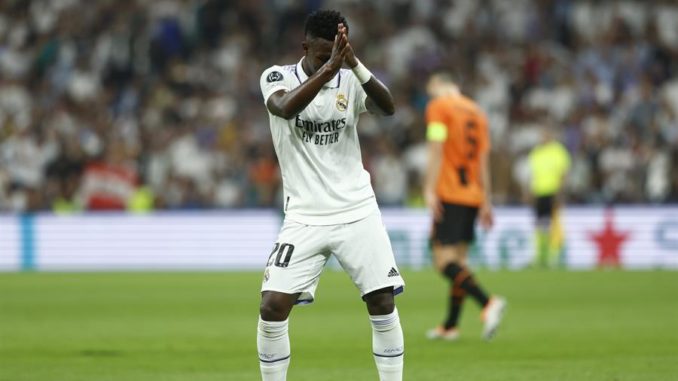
column 273, row 344
column 388, row 346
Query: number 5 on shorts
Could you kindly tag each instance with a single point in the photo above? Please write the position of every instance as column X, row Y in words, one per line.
column 284, row 255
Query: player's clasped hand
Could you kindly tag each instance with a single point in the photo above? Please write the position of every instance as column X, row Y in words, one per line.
column 349, row 56
column 339, row 50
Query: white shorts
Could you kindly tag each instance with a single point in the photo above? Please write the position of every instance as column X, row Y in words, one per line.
column 362, row 248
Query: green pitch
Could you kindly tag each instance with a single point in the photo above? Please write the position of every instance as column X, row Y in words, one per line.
column 600, row 326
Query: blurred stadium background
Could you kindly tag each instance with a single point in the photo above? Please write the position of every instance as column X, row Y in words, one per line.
column 145, row 106
column 133, row 137
column 166, row 92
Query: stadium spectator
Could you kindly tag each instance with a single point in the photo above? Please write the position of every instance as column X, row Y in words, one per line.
column 175, row 83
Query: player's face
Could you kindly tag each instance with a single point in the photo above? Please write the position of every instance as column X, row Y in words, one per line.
column 318, row 51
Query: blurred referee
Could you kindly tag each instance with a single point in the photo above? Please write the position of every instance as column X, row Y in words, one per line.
column 549, row 163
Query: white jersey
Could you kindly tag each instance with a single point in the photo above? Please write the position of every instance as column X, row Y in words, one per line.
column 324, row 180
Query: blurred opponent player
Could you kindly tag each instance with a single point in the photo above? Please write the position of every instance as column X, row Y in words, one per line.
column 330, row 207
column 549, row 163
column 457, row 190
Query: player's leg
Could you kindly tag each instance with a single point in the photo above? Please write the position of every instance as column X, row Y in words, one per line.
column 446, row 247
column 493, row 308
column 273, row 342
column 443, row 256
column 276, row 306
column 387, row 334
column 291, row 276
column 462, row 283
column 543, row 212
column 364, row 251
column 380, row 302
column 452, row 248
column 460, row 275
column 556, row 238
column 455, row 304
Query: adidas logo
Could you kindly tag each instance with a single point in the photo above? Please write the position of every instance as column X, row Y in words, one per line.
column 393, row 272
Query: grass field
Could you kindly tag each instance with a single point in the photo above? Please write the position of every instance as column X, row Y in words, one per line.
column 600, row 326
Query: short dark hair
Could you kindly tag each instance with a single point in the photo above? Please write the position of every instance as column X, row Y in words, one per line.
column 323, row 24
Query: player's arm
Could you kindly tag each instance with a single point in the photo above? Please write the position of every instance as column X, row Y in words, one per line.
column 435, row 158
column 436, row 135
column 485, row 213
column 288, row 104
column 379, row 99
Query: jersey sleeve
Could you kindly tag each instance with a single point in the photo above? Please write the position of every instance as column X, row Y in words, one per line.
column 436, row 128
column 273, row 79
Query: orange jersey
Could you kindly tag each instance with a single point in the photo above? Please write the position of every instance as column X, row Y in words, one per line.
column 466, row 140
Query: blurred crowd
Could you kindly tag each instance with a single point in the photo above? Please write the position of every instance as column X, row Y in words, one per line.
column 155, row 104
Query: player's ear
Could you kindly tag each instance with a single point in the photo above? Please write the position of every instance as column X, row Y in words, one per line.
column 304, row 45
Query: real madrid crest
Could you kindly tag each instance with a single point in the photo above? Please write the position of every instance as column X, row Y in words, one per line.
column 342, row 102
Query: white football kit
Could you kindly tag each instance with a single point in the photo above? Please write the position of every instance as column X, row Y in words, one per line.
column 329, row 204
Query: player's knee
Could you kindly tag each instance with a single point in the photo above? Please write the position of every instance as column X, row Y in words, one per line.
column 274, row 309
column 381, row 307
column 380, row 302
column 460, row 261
column 456, row 254
column 441, row 265
column 272, row 312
